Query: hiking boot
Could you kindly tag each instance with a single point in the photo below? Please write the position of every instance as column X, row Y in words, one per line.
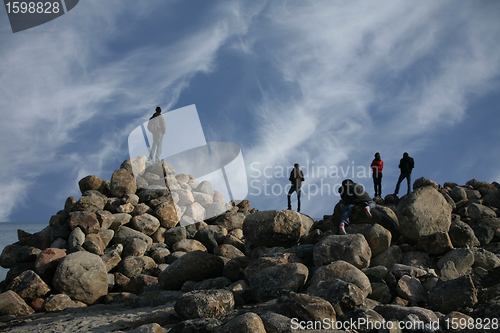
column 342, row 229
column 367, row 212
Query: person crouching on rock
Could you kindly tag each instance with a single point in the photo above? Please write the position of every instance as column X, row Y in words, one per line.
column 353, row 194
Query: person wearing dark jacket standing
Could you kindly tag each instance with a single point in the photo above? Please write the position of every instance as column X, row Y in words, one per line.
column 158, row 127
column 377, row 166
column 296, row 177
column 353, row 194
column 406, row 164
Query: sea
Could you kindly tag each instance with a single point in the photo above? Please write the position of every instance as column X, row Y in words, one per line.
column 8, row 235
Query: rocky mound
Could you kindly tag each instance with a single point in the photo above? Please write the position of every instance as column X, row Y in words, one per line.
column 431, row 256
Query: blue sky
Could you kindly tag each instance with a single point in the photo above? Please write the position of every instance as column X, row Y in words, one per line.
column 322, row 83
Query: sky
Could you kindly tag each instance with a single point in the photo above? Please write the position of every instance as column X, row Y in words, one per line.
column 325, row 84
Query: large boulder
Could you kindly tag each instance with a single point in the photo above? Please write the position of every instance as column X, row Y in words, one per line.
column 306, row 308
column 343, row 271
column 492, row 199
column 86, row 221
column 246, row 323
column 353, row 249
column 82, row 276
column 193, row 266
column 453, row 295
column 276, row 228
column 124, row 235
column 122, row 183
column 339, row 293
column 205, row 304
column 29, row 286
column 423, row 212
column 12, row 304
column 269, row 282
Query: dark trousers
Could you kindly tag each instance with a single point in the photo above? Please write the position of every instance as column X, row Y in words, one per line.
column 377, row 183
column 293, row 189
column 401, row 177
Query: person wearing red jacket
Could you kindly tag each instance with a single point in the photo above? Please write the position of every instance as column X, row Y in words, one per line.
column 377, row 166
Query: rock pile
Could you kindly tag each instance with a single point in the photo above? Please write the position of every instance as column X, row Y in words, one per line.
column 431, row 256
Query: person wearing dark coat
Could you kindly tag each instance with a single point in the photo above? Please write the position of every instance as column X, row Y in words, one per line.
column 406, row 164
column 296, row 177
column 353, row 194
column 377, row 166
column 158, row 127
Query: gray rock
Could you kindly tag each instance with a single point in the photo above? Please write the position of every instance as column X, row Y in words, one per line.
column 123, row 235
column 149, row 328
column 339, row 293
column 47, row 262
column 112, row 257
column 136, row 247
column 378, row 237
column 388, row 258
column 412, row 290
column 147, row 224
column 29, row 286
column 343, row 271
column 361, row 316
column 205, row 304
column 228, row 251
column 86, row 221
column 267, row 283
column 423, row 182
column 129, row 266
column 492, row 199
column 215, row 209
column 120, row 219
column 205, row 187
column 122, row 183
column 76, row 240
column 27, row 254
column 478, row 212
column 462, row 235
column 306, row 308
column 423, row 212
column 193, row 266
column 246, row 323
column 397, row 312
column 135, row 166
column 276, row 228
column 82, row 276
column 8, row 256
column 151, row 192
column 94, row 244
column 458, row 194
column 90, row 183
column 12, row 304
column 91, row 201
column 196, row 325
column 437, row 243
column 453, row 295
column 188, row 245
column 59, row 302
column 276, row 323
column 105, row 219
column 195, row 211
column 485, row 259
column 462, row 258
column 168, row 214
column 353, row 249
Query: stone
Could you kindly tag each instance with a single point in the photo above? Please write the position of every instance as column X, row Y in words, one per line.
column 59, row 231
column 8, row 256
column 267, row 283
column 195, row 211
column 173, row 235
column 417, row 259
column 398, row 312
column 479, row 212
column 412, row 290
column 276, row 228
column 86, row 221
column 453, row 295
column 147, row 224
column 423, row 212
column 106, row 236
column 135, row 166
column 213, row 303
column 151, row 192
column 82, row 276
column 193, row 266
column 160, row 255
column 105, row 218
column 203, row 199
column 378, row 237
column 437, row 243
column 27, row 254
column 131, row 265
column 422, row 182
column 353, row 249
column 76, row 239
column 47, row 261
column 12, row 304
column 91, row 201
column 196, row 325
column 339, row 293
column 215, row 283
column 484, row 234
column 149, row 328
column 94, row 244
column 90, row 183
column 269, row 260
column 246, row 323
column 136, row 248
column 205, row 187
column 228, row 251
column 29, row 286
column 365, row 318
column 215, row 209
column 168, row 214
column 59, row 302
column 462, row 258
column 306, row 308
column 138, row 283
column 276, row 323
column 234, row 268
column 123, row 235
column 207, row 237
column 185, row 197
column 485, row 259
column 188, row 245
column 122, row 183
column 231, row 220
column 448, row 272
column 492, row 199
column 127, row 208
column 343, row 271
column 399, row 271
column 112, row 257
column 462, row 235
